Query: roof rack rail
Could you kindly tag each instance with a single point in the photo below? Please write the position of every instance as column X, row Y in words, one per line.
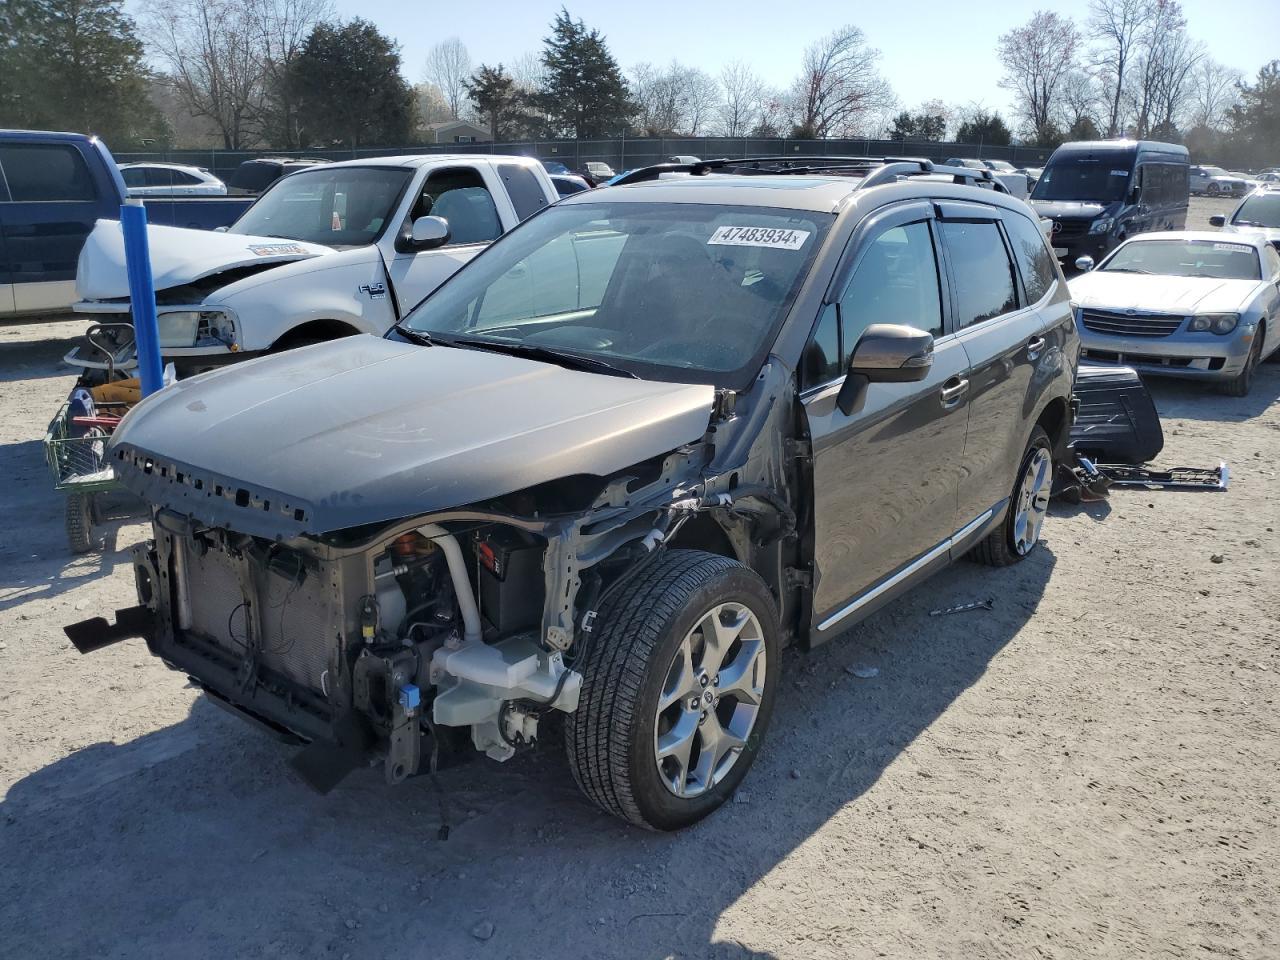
column 874, row 171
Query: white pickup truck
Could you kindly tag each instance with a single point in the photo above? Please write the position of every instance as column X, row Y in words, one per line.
column 340, row 249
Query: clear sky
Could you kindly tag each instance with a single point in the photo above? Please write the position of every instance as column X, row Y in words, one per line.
column 943, row 50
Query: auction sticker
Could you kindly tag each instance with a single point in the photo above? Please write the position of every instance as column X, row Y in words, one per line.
column 1233, row 247
column 276, row 249
column 780, row 239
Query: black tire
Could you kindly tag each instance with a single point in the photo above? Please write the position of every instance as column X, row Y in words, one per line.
column 639, row 629
column 1242, row 382
column 998, row 548
column 1212, row 189
column 79, row 522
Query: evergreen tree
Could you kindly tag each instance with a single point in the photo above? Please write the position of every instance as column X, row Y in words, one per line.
column 986, row 129
column 75, row 65
column 347, row 86
column 494, row 93
column 584, row 93
column 1255, row 120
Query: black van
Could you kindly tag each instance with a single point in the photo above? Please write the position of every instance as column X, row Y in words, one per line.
column 1098, row 193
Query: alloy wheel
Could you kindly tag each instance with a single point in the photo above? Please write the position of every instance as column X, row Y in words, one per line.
column 710, row 699
column 1033, row 501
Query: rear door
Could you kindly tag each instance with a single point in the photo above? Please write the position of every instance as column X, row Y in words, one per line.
column 6, row 287
column 474, row 202
column 886, row 475
column 51, row 208
column 1003, row 337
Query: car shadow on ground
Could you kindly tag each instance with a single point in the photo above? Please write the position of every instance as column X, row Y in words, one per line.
column 36, row 358
column 34, row 557
column 197, row 839
column 1189, row 400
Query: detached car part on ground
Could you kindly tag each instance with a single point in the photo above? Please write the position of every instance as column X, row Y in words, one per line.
column 332, row 250
column 607, row 472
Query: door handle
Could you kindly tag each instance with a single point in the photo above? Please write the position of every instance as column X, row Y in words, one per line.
column 955, row 390
column 1036, row 345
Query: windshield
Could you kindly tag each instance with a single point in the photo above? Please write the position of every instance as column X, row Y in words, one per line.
column 1102, row 180
column 687, row 292
column 1215, row 172
column 1262, row 210
column 335, row 206
column 1187, row 258
column 1002, row 166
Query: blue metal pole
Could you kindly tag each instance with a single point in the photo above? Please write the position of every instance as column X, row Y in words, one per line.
column 142, row 295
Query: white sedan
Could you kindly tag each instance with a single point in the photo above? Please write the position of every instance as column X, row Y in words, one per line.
column 170, row 180
column 1183, row 304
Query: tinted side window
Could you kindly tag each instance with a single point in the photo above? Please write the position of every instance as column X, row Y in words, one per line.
column 896, row 281
column 1034, row 259
column 45, row 172
column 134, row 177
column 821, row 362
column 983, row 273
column 461, row 197
column 522, row 186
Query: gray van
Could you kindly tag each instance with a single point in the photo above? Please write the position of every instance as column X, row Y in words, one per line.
column 1100, row 193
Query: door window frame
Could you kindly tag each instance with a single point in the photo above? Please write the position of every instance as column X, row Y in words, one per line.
column 416, row 195
column 956, row 211
column 856, row 248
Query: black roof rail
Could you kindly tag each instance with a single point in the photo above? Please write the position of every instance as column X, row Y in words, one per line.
column 873, row 170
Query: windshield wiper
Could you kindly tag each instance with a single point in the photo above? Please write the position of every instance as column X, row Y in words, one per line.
column 1128, row 270
column 571, row 361
column 413, row 336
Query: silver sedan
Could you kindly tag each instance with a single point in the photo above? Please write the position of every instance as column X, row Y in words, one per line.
column 1183, row 304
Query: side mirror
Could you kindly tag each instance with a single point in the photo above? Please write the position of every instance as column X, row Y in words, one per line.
column 429, row 232
column 1084, row 264
column 1218, row 220
column 886, row 353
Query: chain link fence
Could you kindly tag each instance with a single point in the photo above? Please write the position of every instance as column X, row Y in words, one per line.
column 622, row 153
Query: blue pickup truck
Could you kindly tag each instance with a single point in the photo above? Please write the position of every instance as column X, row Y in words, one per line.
column 53, row 188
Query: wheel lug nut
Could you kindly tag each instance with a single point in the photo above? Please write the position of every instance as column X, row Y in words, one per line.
column 715, row 682
column 694, row 702
column 702, row 719
column 703, row 680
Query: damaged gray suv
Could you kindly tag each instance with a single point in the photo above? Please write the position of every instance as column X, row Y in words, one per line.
column 607, row 472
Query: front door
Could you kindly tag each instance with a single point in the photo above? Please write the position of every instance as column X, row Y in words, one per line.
column 461, row 196
column 52, row 207
column 885, row 476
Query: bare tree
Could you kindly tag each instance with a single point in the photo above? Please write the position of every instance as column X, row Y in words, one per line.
column 740, row 105
column 282, row 27
column 1078, row 99
column 1118, row 26
column 775, row 107
column 448, row 67
column 429, row 107
column 1036, row 58
column 1180, row 55
column 839, row 84
column 1163, row 31
column 700, row 96
column 212, row 50
column 1213, row 91
column 658, row 94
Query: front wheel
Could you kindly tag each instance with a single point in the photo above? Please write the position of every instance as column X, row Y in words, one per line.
column 1018, row 535
column 1242, row 382
column 679, row 682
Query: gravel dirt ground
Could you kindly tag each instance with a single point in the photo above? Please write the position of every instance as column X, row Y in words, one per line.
column 1087, row 770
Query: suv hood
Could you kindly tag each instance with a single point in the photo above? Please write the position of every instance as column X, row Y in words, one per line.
column 1069, row 209
column 365, row 430
column 1159, row 294
column 178, row 256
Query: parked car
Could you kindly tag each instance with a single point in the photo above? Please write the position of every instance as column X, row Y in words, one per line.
column 170, row 180
column 569, row 183
column 1032, row 174
column 1214, row 182
column 326, row 252
column 53, row 188
column 252, row 177
column 1183, row 304
column 555, row 166
column 683, row 158
column 1257, row 216
column 611, row 468
column 596, row 171
column 1096, row 194
column 1016, row 182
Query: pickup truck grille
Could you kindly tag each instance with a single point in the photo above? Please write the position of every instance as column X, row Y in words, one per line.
column 299, row 620
column 1130, row 325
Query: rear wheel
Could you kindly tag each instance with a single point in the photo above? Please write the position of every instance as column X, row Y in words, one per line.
column 678, row 686
column 1018, row 535
column 1212, row 189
